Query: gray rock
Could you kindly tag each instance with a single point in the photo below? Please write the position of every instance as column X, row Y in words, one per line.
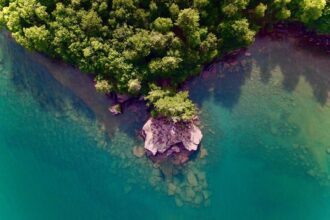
column 162, row 134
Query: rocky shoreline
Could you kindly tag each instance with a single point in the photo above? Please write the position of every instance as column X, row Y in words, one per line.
column 178, row 153
column 188, row 191
column 167, row 139
column 116, row 103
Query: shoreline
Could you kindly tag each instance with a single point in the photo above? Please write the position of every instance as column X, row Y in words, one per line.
column 306, row 39
column 122, row 118
column 82, row 85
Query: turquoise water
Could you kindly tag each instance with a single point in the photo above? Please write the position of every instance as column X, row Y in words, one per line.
column 266, row 130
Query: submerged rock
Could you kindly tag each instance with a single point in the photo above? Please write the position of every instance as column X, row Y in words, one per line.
column 178, row 202
column 171, row 188
column 162, row 135
column 203, row 153
column 190, row 194
column 115, row 109
column 167, row 169
column 138, row 151
column 192, row 180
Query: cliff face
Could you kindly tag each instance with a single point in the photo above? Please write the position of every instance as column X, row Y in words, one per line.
column 163, row 135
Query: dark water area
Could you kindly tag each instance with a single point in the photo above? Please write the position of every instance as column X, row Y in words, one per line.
column 266, row 121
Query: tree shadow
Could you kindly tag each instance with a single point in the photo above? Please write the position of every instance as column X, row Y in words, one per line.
column 222, row 81
column 30, row 78
column 297, row 54
column 31, row 75
column 288, row 48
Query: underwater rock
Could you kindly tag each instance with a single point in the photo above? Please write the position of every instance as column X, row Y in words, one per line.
column 167, row 169
column 192, row 180
column 115, row 109
column 206, row 194
column 328, row 151
column 203, row 153
column 200, row 175
column 178, row 202
column 189, row 188
column 190, row 194
column 154, row 181
column 198, row 199
column 138, row 151
column 162, row 134
column 174, row 157
column 171, row 188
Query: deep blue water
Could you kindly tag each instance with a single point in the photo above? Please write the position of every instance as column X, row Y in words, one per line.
column 266, row 130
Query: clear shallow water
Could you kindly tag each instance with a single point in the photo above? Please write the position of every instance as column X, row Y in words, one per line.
column 266, row 131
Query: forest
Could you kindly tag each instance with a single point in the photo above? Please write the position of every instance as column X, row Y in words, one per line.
column 131, row 45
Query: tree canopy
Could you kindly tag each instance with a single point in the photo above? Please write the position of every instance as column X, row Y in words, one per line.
column 176, row 106
column 128, row 44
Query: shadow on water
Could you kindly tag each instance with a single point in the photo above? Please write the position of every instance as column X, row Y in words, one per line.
column 222, row 81
column 32, row 79
column 33, row 75
column 297, row 55
column 288, row 49
column 71, row 92
column 60, row 88
column 69, row 95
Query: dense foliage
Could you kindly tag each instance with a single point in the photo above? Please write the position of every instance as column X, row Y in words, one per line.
column 176, row 106
column 128, row 44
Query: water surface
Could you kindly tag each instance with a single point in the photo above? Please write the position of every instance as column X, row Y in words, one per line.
column 266, row 121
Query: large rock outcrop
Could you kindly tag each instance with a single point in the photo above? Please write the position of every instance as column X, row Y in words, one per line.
column 165, row 136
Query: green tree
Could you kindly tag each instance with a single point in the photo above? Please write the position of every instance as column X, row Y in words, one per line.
column 163, row 24
column 322, row 24
column 236, row 33
column 91, row 23
column 260, row 10
column 233, row 8
column 176, row 106
column 35, row 38
column 134, row 86
column 103, row 86
column 188, row 20
column 311, row 10
column 128, row 44
column 281, row 10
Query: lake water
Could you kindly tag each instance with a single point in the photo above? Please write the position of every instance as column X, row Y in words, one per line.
column 266, row 122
